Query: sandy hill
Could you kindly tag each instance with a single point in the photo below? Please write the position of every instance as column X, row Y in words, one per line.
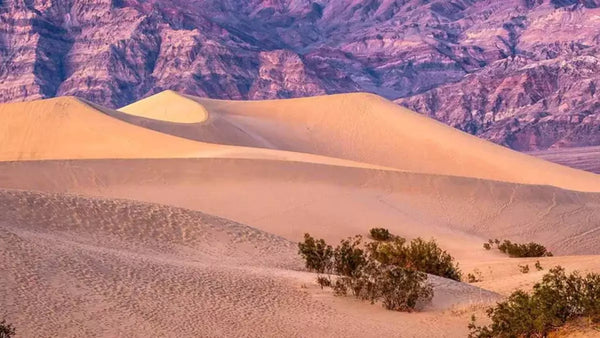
column 364, row 128
column 177, row 110
column 77, row 267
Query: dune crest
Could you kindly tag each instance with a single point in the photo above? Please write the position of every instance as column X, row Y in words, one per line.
column 168, row 106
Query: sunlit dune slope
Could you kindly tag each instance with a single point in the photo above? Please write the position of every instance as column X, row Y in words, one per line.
column 168, row 106
column 69, row 128
column 291, row 198
column 365, row 128
column 76, row 267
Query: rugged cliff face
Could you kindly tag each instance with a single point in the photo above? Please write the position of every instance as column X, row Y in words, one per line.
column 519, row 72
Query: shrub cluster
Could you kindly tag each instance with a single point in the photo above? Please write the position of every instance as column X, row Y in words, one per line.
column 557, row 299
column 518, row 250
column 375, row 271
column 6, row 330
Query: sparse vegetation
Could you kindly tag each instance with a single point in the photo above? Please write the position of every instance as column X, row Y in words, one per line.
column 419, row 255
column 538, row 266
column 389, row 272
column 6, row 329
column 316, row 253
column 475, row 277
column 556, row 300
column 518, row 250
column 524, row 268
column 380, row 234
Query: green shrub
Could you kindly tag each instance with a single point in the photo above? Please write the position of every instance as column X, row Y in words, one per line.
column 316, row 253
column 523, row 250
column 398, row 287
column 348, row 256
column 380, row 234
column 557, row 299
column 487, row 246
column 6, row 330
column 420, row 255
column 401, row 289
column 524, row 268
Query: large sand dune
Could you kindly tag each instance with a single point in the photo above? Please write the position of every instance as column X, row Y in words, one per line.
column 100, row 197
column 365, row 128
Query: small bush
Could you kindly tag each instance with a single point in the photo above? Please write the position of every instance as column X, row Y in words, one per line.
column 380, row 234
column 348, row 256
column 316, row 253
column 401, row 289
column 323, row 281
column 523, row 250
column 524, row 268
column 475, row 277
column 557, row 299
column 6, row 330
column 421, row 255
column 487, row 246
column 538, row 266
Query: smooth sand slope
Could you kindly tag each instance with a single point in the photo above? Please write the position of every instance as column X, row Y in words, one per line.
column 70, row 128
column 364, row 128
column 178, row 111
column 584, row 158
column 75, row 267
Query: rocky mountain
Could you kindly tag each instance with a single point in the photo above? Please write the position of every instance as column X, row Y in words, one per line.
column 522, row 73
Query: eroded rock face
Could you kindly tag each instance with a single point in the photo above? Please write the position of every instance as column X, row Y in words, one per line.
column 518, row 72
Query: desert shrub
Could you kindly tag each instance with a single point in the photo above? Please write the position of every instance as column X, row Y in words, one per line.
column 401, row 289
column 538, row 266
column 557, row 299
column 316, row 253
column 380, row 234
column 420, row 255
column 475, row 277
column 6, row 329
column 487, row 246
column 524, row 268
column 523, row 250
column 359, row 273
column 348, row 256
column 323, row 281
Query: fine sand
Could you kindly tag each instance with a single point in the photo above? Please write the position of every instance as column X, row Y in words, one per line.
column 107, row 226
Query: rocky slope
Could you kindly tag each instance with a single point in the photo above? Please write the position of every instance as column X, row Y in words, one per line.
column 518, row 72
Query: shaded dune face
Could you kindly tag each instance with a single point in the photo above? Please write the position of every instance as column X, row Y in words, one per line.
column 178, row 216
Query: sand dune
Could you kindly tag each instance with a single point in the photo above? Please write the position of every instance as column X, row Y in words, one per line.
column 177, row 110
column 92, row 267
column 290, row 198
column 366, row 128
